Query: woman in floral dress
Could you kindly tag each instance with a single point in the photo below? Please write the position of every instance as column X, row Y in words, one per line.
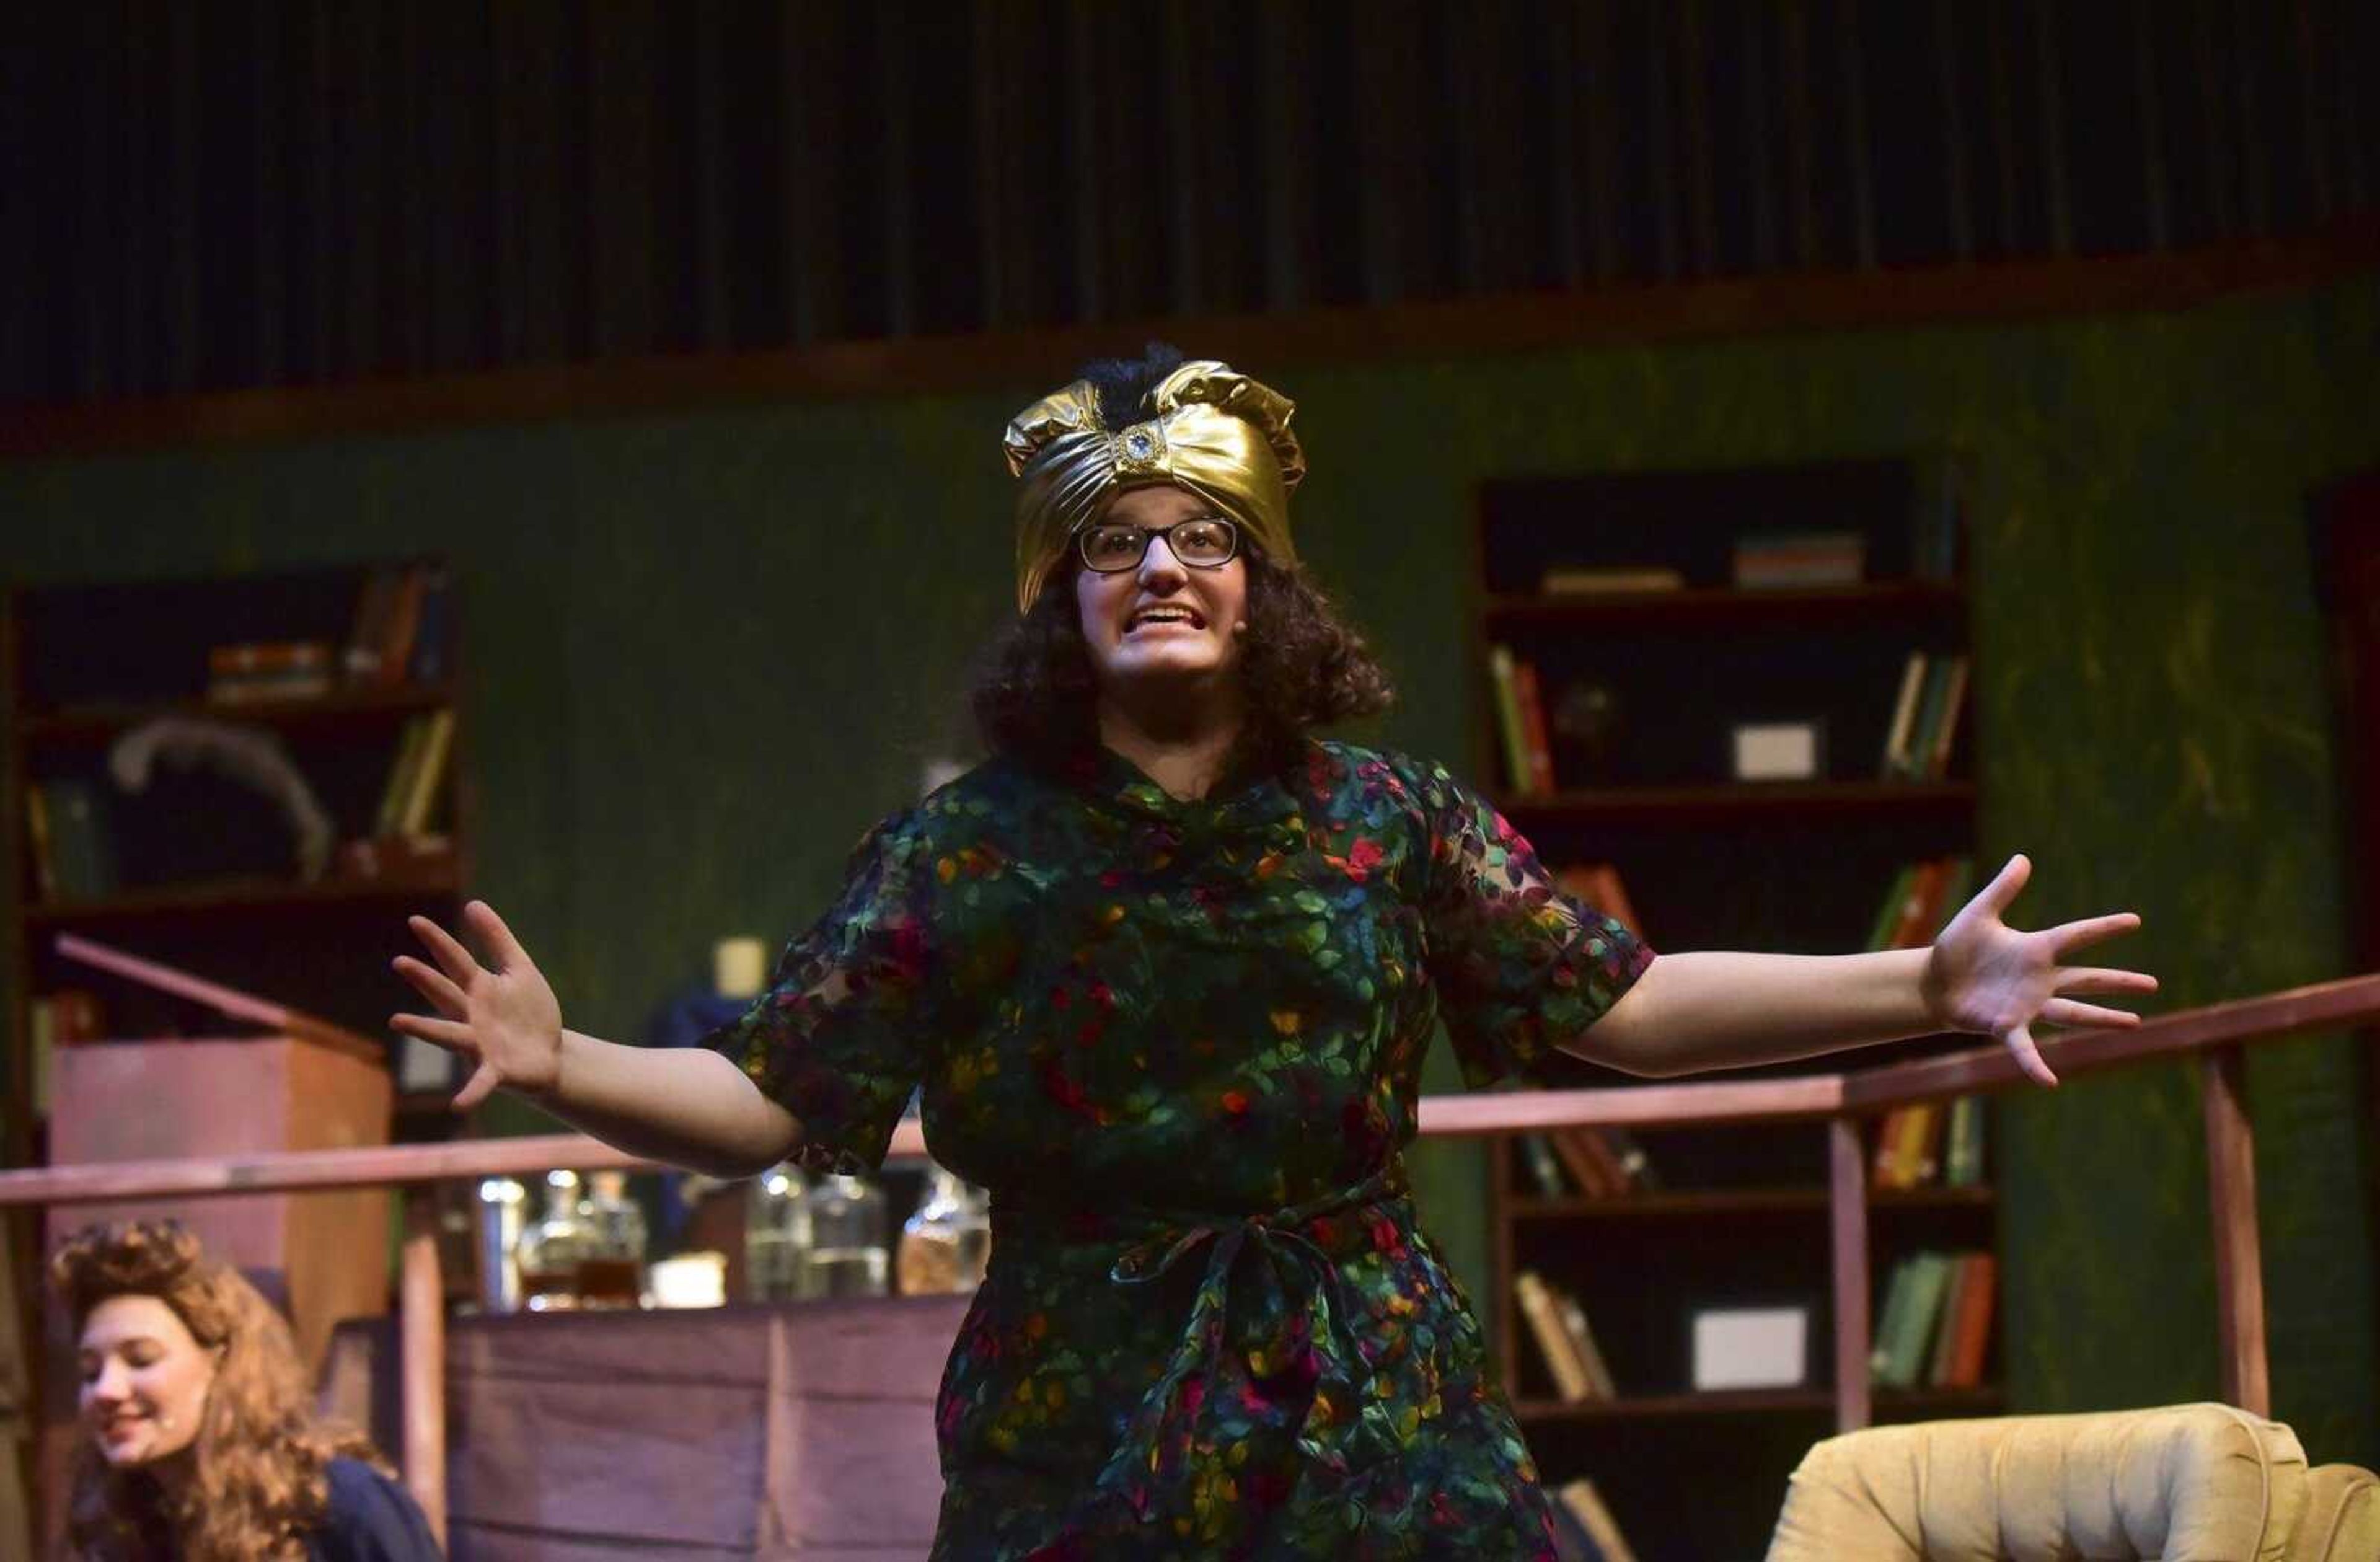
column 1166, row 967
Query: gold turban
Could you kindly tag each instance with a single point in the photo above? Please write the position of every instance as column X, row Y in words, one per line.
column 1217, row 434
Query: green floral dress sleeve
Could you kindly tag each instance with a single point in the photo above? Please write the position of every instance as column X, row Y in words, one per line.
column 838, row 1039
column 1520, row 967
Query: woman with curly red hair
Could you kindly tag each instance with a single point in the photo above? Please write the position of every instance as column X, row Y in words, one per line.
column 202, row 1444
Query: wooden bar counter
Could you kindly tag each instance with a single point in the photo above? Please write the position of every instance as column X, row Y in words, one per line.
column 797, row 1431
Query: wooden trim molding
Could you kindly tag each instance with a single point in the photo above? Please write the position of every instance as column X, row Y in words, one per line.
column 1766, row 305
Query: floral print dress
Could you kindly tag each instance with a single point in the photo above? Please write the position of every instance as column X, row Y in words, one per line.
column 1181, row 1041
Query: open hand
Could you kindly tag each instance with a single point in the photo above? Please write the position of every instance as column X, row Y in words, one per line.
column 1986, row 976
column 503, row 1017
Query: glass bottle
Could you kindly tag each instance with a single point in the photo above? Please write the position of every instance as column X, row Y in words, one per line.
column 612, row 1265
column 550, row 1251
column 504, row 1207
column 776, row 1233
column 848, row 1228
column 946, row 1244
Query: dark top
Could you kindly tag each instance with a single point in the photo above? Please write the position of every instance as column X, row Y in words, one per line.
column 372, row 1518
column 1181, row 1041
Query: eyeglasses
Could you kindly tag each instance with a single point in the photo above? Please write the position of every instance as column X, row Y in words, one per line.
column 1207, row 542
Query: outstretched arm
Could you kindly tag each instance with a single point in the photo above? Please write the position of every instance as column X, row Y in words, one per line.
column 692, row 1108
column 1718, row 1010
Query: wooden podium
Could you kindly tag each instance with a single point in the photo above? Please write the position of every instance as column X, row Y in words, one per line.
column 325, row 1253
column 301, row 1083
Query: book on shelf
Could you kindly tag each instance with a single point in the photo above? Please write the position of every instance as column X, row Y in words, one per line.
column 433, row 626
column 408, row 797
column 421, row 795
column 1564, row 1363
column 1902, row 1145
column 1969, row 1324
column 1921, row 898
column 1573, row 1314
column 1895, row 761
column 402, row 627
column 82, row 850
column 1584, row 1503
column 1912, row 1311
column 397, row 789
column 1934, row 543
column 38, row 846
column 1530, row 696
column 1933, row 731
column 1963, row 1153
column 260, row 672
column 1922, row 1142
column 1817, row 558
column 1944, row 1349
column 1581, row 580
column 1926, row 709
column 1944, row 739
column 1513, row 742
column 1590, row 1163
column 1572, row 1543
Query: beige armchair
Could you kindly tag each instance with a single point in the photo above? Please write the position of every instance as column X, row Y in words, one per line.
column 2183, row 1484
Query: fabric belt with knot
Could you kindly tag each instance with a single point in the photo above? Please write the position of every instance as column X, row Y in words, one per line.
column 1310, row 1354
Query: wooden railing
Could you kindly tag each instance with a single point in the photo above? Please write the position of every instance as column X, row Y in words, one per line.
column 2216, row 1035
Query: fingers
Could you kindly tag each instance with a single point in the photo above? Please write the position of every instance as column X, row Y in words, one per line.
column 433, row 984
column 1997, row 895
column 496, row 937
column 2094, row 979
column 441, row 1032
column 2028, row 1056
column 2090, row 930
column 2065, row 1011
column 451, row 958
column 478, row 1088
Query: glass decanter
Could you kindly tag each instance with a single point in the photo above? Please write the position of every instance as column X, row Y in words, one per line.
column 549, row 1249
column 612, row 1265
column 946, row 1244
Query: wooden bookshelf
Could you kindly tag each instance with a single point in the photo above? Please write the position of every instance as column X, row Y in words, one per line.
column 87, row 663
column 1740, row 1217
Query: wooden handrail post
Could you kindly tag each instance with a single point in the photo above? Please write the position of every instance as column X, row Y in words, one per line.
column 1847, row 1221
column 421, row 1348
column 2239, row 1257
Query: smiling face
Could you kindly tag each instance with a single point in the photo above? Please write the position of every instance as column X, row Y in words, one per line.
column 144, row 1381
column 1163, row 622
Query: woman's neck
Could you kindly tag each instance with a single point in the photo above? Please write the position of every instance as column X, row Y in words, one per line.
column 173, row 1474
column 1186, row 757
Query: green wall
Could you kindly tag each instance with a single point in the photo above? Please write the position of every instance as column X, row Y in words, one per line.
column 705, row 651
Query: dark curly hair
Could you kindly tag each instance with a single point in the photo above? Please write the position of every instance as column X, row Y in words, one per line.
column 1301, row 664
column 260, row 1480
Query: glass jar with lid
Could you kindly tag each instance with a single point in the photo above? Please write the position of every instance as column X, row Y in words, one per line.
column 551, row 1248
column 611, row 1263
column 946, row 1244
